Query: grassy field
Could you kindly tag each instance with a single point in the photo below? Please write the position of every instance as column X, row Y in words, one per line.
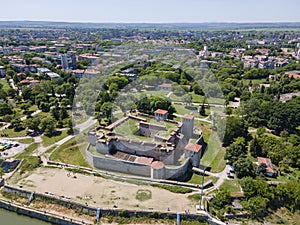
column 143, row 195
column 181, row 109
column 214, row 156
column 24, row 141
column 28, row 151
column 196, row 98
column 71, row 152
column 5, row 84
column 197, row 179
column 231, row 185
column 47, row 141
column 11, row 133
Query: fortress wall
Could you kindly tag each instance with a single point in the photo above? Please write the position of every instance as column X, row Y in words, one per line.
column 102, row 147
column 137, row 118
column 196, row 159
column 158, row 174
column 89, row 157
column 200, row 140
column 134, row 147
column 175, row 173
column 117, row 123
column 121, row 166
column 169, row 160
column 146, row 115
column 92, row 138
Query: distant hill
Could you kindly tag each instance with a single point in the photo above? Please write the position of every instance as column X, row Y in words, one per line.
column 217, row 26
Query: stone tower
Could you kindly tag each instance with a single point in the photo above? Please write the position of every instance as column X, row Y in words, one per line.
column 188, row 125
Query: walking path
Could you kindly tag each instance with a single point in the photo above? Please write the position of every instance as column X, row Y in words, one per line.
column 196, row 118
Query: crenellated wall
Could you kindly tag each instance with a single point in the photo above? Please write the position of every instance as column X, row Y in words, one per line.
column 117, row 165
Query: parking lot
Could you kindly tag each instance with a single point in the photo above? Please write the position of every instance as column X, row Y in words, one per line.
column 10, row 148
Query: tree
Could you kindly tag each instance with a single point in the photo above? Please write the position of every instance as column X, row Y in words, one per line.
column 16, row 124
column 202, row 110
column 44, row 106
column 33, row 123
column 106, row 109
column 235, row 127
column 197, row 89
column 48, row 125
column 236, row 149
column 261, row 169
column 26, row 93
column 244, row 167
column 5, row 109
column 222, row 199
column 256, row 205
column 255, row 148
column 260, row 131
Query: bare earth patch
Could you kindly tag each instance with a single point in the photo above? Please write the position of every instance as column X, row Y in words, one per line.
column 103, row 193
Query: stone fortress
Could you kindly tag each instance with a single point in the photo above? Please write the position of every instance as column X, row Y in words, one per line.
column 146, row 145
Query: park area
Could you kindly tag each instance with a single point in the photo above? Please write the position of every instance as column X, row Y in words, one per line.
column 101, row 192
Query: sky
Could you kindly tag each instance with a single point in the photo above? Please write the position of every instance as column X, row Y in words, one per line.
column 151, row 11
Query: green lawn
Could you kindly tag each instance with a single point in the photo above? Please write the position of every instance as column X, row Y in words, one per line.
column 181, row 109
column 176, row 98
column 143, row 195
column 47, row 141
column 24, row 141
column 196, row 98
column 72, row 152
column 33, row 108
column 205, row 127
column 214, row 156
column 197, row 179
column 28, row 151
column 231, row 185
column 5, row 84
column 11, row 133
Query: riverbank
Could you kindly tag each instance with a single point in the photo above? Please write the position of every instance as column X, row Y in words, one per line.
column 48, row 217
column 20, row 196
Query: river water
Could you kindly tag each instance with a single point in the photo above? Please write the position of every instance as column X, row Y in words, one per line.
column 11, row 218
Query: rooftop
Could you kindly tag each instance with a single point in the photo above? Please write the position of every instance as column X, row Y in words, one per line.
column 161, row 111
column 268, row 162
column 188, row 116
column 157, row 165
column 193, row 147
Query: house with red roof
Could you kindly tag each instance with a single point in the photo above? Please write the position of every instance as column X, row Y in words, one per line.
column 270, row 170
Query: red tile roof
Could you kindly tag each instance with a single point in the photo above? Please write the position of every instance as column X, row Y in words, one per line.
column 161, row 111
column 294, row 75
column 157, row 165
column 144, row 160
column 25, row 81
column 268, row 162
column 193, row 147
column 188, row 116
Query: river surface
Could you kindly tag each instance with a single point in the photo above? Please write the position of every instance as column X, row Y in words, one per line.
column 11, row 218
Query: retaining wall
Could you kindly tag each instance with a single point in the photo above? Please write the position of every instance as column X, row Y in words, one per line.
column 91, row 210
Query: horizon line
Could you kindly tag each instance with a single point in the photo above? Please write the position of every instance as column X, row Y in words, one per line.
column 147, row 22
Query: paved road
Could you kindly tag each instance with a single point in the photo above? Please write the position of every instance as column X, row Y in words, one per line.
column 83, row 126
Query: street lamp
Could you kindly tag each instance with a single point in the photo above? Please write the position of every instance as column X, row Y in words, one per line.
column 201, row 193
